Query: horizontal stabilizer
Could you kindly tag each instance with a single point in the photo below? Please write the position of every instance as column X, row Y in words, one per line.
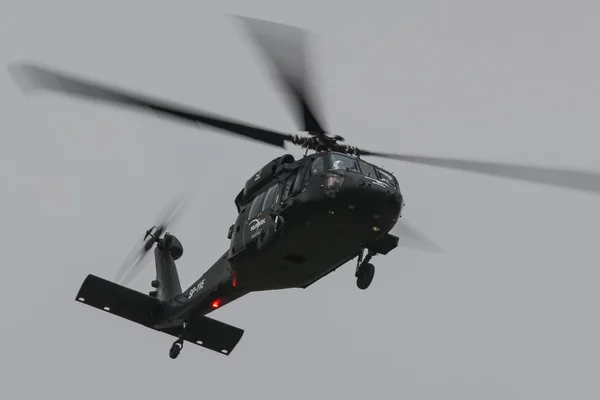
column 119, row 300
column 210, row 334
column 143, row 309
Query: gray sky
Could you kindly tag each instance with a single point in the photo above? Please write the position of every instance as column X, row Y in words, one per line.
column 509, row 311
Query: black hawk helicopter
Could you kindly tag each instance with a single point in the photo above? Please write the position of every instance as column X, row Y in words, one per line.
column 298, row 219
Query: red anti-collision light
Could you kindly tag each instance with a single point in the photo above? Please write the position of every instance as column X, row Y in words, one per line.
column 216, row 303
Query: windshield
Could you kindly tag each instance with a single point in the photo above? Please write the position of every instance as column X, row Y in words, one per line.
column 388, row 178
column 367, row 169
column 339, row 161
column 344, row 162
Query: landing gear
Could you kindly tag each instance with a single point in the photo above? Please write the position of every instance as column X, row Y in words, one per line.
column 365, row 271
column 176, row 348
column 178, row 344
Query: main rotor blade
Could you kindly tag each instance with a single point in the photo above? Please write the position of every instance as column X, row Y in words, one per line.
column 411, row 237
column 31, row 77
column 284, row 47
column 581, row 180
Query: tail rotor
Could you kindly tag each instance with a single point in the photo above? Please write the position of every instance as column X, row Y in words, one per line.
column 138, row 257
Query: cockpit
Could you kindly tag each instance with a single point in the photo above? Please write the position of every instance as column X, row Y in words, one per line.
column 339, row 161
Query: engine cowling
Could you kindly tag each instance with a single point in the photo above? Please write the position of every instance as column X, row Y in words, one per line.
column 265, row 175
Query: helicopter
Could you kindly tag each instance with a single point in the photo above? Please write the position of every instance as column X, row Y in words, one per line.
column 298, row 219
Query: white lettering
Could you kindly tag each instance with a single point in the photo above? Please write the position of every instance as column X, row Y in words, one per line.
column 196, row 289
column 255, row 224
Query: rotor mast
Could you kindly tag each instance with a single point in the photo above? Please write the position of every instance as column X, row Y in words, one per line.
column 319, row 142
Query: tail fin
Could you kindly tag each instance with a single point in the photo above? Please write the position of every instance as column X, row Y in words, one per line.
column 167, row 279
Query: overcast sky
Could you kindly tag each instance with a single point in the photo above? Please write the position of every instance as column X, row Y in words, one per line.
column 508, row 311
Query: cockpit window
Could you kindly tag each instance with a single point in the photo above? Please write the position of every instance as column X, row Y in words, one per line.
column 256, row 205
column 387, row 178
column 339, row 161
column 367, row 169
column 317, row 166
column 269, row 198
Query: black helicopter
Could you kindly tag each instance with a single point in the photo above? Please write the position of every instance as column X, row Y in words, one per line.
column 298, row 219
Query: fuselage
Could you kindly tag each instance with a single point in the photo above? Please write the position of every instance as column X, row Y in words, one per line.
column 307, row 220
column 333, row 206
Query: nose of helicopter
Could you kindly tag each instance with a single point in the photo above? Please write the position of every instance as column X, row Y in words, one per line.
column 368, row 202
column 383, row 204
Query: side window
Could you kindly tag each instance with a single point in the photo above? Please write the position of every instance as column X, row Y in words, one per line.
column 367, row 169
column 339, row 161
column 256, row 205
column 317, row 166
column 287, row 186
column 269, row 198
column 314, row 168
column 296, row 186
column 278, row 193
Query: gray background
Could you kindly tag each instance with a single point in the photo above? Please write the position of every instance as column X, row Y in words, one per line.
column 509, row 311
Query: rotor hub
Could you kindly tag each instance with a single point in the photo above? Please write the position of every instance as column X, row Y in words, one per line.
column 323, row 142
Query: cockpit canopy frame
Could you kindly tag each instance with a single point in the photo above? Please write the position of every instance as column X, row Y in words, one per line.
column 340, row 161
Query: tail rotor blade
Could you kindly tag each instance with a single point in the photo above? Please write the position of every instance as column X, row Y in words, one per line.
column 138, row 258
column 171, row 214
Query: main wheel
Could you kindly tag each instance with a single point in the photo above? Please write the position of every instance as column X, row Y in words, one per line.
column 366, row 272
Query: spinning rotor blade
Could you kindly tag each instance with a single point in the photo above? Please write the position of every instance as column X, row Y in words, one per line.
column 284, row 47
column 410, row 237
column 134, row 263
column 586, row 181
column 138, row 258
column 30, row 77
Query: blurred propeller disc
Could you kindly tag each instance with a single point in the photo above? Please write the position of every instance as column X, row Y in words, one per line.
column 410, row 237
column 285, row 50
column 137, row 258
